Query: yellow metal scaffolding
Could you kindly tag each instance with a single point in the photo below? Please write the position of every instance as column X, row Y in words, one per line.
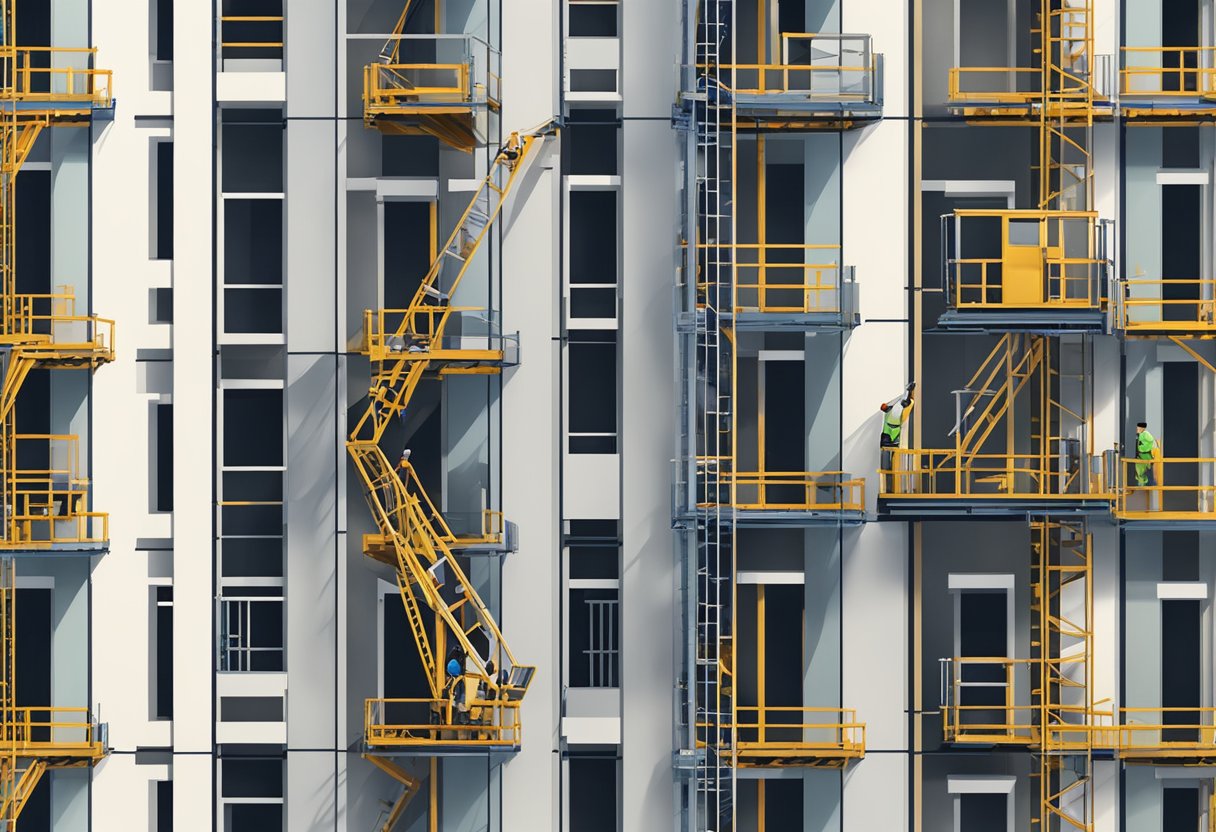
column 46, row 502
column 479, row 707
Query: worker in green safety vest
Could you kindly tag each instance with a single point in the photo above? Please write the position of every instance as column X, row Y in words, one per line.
column 1145, row 445
column 894, row 413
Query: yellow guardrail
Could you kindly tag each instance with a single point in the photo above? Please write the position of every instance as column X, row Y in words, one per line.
column 780, row 490
column 1142, row 305
column 33, row 317
column 46, row 505
column 1175, row 488
column 950, row 474
column 430, row 722
column 1168, row 71
column 23, row 78
column 1003, row 720
column 779, row 277
column 270, row 22
column 821, row 66
column 1046, row 260
column 1002, row 84
column 1148, row 733
column 396, row 88
column 787, row 735
column 61, row 732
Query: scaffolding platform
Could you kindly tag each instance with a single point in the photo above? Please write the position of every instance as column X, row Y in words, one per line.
column 1029, row 321
column 1167, row 84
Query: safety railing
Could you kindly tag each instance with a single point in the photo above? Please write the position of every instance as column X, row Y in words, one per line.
column 46, row 496
column 949, row 474
column 825, row 68
column 777, row 278
column 1024, row 85
column 792, row 735
column 984, row 700
column 477, row 722
column 1170, row 72
column 423, row 331
column 821, row 491
column 789, row 734
column 979, row 704
column 1171, row 488
column 1163, row 306
column 249, row 36
column 59, row 75
column 52, row 319
column 1025, row 259
column 465, row 71
column 62, row 732
column 1167, row 733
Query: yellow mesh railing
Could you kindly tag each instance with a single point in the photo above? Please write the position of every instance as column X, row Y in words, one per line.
column 1167, row 732
column 790, row 735
column 64, row 732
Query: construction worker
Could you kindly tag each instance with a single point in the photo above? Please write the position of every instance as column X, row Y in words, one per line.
column 894, row 413
column 1146, row 446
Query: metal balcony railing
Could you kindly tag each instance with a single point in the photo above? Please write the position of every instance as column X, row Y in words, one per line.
column 950, row 474
column 464, row 72
column 826, row 68
column 1162, row 306
column 418, row 723
column 53, row 75
column 1170, row 72
column 1175, row 488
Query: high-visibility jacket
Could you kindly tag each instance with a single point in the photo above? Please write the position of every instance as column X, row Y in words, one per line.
column 1145, row 444
column 893, row 422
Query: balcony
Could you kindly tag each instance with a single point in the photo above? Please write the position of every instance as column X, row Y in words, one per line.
column 1168, row 82
column 778, row 498
column 1017, row 92
column 984, row 702
column 441, row 727
column 53, row 84
column 820, row 77
column 438, row 85
column 1167, row 736
column 1180, row 493
column 67, row 735
column 46, row 499
column 784, row 737
column 1024, row 270
column 461, row 335
column 778, row 286
column 952, row 483
column 47, row 331
column 1166, row 308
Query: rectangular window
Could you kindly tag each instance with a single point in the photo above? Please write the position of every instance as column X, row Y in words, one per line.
column 164, row 457
column 251, row 708
column 591, row 394
column 251, row 629
column 593, row 794
column 164, row 653
column 164, row 200
column 162, row 306
column 593, row 642
column 164, row 30
column 593, row 80
column 593, row 20
column 252, row 154
column 253, row 427
column 593, row 237
column 164, row 806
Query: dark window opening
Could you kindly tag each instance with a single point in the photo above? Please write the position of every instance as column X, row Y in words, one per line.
column 593, row 794
column 593, row 237
column 593, row 80
column 593, row 20
column 164, row 652
column 253, row 427
column 164, row 806
column 164, row 200
column 164, row 457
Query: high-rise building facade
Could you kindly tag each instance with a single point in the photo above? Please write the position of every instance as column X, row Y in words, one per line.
column 607, row 416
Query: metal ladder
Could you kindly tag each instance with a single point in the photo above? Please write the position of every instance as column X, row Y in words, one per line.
column 715, row 356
